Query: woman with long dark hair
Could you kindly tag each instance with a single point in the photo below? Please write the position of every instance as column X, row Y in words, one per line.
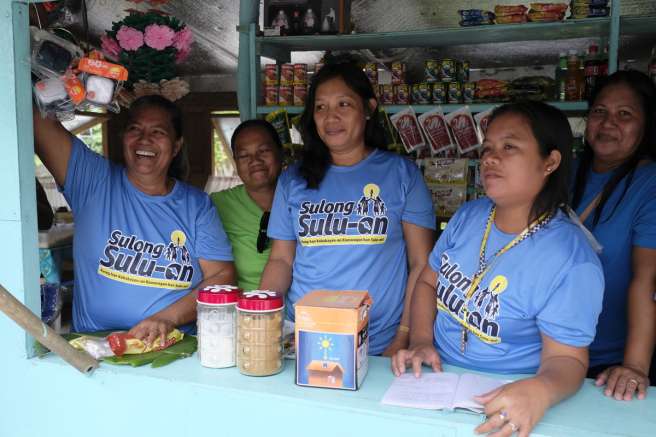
column 517, row 285
column 144, row 241
column 350, row 215
column 615, row 195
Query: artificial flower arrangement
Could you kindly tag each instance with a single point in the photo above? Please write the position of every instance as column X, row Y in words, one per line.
column 150, row 44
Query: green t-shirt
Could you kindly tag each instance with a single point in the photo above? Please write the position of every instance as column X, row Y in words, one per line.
column 241, row 216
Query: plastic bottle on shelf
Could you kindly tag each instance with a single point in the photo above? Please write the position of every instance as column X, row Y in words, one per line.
column 574, row 80
column 591, row 66
column 651, row 70
column 559, row 76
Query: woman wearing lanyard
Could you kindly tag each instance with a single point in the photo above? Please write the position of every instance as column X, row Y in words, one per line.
column 615, row 195
column 517, row 285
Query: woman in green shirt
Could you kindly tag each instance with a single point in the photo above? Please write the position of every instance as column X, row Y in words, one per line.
column 244, row 209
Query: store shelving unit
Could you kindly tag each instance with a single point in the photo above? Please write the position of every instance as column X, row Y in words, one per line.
column 252, row 47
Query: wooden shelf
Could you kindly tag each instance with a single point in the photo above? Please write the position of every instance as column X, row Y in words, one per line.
column 569, row 107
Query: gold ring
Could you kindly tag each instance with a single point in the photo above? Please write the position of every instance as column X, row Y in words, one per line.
column 513, row 427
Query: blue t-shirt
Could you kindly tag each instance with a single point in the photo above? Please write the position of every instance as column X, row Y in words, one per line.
column 551, row 283
column 633, row 223
column 135, row 254
column 349, row 235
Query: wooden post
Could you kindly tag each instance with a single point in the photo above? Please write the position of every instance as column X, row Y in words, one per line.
column 44, row 334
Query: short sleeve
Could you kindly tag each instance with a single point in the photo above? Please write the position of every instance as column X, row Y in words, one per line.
column 570, row 314
column 644, row 229
column 85, row 171
column 418, row 209
column 211, row 240
column 281, row 226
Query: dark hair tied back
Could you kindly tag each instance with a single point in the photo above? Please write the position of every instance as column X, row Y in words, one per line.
column 552, row 131
column 316, row 158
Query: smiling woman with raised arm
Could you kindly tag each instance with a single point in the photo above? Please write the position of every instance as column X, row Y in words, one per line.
column 350, row 216
column 615, row 194
column 512, row 285
column 144, row 241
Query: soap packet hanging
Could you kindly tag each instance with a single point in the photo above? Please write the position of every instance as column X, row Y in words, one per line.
column 102, row 82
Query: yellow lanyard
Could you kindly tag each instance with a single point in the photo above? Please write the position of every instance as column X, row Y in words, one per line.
column 484, row 267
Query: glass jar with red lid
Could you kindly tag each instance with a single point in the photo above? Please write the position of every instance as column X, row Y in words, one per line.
column 217, row 325
column 259, row 329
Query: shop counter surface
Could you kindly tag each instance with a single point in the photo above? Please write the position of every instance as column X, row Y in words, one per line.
column 343, row 412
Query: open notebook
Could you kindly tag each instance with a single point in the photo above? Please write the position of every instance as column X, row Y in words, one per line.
column 435, row 391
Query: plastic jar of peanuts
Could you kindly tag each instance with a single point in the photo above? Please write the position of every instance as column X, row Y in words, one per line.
column 217, row 325
column 259, row 328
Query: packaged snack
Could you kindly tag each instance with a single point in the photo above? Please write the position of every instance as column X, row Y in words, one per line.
column 102, row 82
column 545, row 17
column 421, row 94
column 558, row 8
column 446, row 171
column 51, row 97
column 52, row 56
column 482, row 119
column 500, row 10
column 123, row 343
column 434, row 126
column 447, row 198
column 511, row 19
column 407, row 125
column 280, row 122
column 463, row 129
column 463, row 71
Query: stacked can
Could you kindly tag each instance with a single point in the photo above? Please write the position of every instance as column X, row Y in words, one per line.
column 285, row 91
column 271, row 83
column 445, row 81
column 300, row 84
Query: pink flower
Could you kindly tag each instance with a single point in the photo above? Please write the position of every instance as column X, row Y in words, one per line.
column 159, row 37
column 183, row 39
column 129, row 38
column 110, row 47
column 181, row 56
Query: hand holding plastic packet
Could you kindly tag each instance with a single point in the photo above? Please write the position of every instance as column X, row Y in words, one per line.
column 122, row 348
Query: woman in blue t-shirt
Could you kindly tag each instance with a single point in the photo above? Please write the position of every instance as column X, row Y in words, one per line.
column 615, row 194
column 144, row 241
column 350, row 215
column 517, row 285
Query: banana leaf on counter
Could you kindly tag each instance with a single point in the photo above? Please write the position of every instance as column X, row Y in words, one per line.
column 183, row 349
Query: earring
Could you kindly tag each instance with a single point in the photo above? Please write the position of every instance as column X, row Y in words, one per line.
column 548, row 169
column 367, row 118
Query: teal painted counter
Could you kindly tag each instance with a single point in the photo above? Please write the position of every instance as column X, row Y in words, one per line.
column 185, row 399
